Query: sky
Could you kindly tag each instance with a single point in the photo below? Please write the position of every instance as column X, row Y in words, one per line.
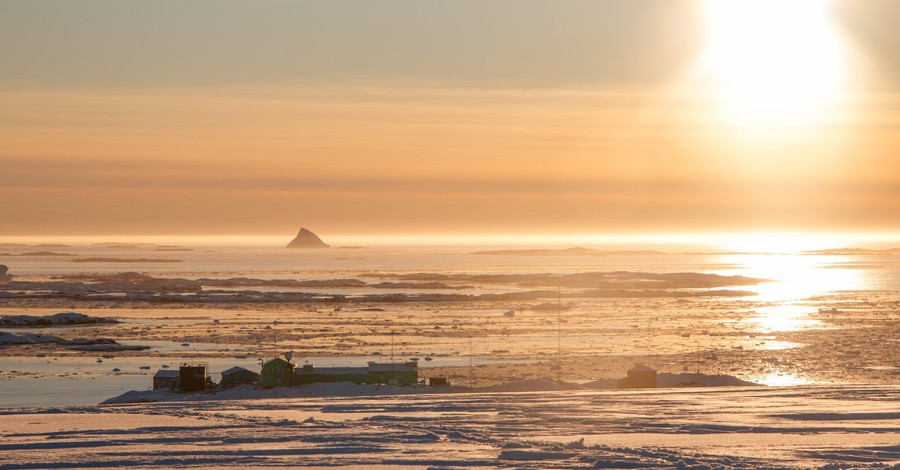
column 250, row 117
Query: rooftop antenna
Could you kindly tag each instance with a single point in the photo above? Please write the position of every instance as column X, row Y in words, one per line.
column 274, row 356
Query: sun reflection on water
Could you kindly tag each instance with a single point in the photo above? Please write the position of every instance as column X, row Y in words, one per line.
column 784, row 318
column 794, row 276
column 782, row 379
column 774, row 345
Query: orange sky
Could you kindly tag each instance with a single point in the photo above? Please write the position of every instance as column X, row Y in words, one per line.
column 591, row 117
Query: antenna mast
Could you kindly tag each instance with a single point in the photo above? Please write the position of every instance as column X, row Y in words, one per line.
column 471, row 384
column 391, row 379
column 559, row 333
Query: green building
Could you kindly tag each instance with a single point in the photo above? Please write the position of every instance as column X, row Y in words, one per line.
column 404, row 373
column 278, row 372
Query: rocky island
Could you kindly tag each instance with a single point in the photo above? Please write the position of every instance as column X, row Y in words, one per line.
column 307, row 239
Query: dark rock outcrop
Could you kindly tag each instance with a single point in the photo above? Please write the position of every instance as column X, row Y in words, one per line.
column 59, row 319
column 307, row 239
column 3, row 276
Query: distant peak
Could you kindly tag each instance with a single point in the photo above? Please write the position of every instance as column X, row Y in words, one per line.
column 306, row 239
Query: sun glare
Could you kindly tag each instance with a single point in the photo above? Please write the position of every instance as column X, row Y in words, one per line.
column 794, row 277
column 772, row 63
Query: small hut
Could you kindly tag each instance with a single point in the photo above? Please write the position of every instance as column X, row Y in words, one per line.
column 237, row 376
column 278, row 372
column 165, row 379
column 639, row 376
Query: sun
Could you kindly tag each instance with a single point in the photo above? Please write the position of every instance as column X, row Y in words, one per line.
column 772, row 63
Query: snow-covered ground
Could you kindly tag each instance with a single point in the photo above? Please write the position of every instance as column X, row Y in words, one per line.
column 747, row 427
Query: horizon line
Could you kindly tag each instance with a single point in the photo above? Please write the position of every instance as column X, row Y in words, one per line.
column 790, row 240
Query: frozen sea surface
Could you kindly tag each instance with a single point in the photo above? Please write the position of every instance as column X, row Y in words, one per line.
column 832, row 319
column 819, row 318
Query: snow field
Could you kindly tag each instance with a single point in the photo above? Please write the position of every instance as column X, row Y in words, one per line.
column 730, row 428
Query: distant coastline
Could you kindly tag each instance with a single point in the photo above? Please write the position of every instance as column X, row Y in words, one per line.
column 574, row 251
column 125, row 260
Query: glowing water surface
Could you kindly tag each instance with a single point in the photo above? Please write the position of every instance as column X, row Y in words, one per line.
column 795, row 276
column 788, row 303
